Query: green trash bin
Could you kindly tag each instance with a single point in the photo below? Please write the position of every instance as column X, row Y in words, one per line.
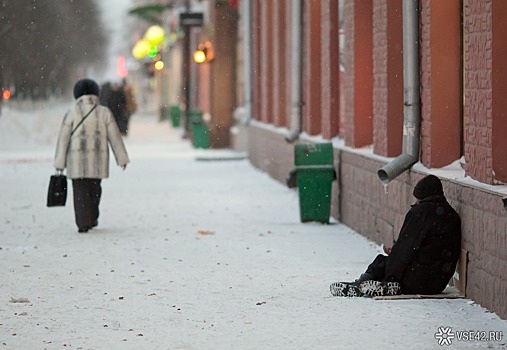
column 315, row 174
column 175, row 116
column 200, row 136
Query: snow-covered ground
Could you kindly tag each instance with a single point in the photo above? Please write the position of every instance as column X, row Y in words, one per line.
column 188, row 254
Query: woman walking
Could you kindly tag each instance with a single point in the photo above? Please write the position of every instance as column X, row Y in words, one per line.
column 83, row 149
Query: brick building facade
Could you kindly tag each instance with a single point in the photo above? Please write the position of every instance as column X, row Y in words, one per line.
column 463, row 83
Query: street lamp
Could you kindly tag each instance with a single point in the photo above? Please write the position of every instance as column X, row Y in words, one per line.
column 204, row 53
column 6, row 94
column 159, row 65
column 199, row 56
column 154, row 35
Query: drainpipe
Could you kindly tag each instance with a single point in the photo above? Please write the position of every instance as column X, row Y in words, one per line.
column 411, row 109
column 295, row 73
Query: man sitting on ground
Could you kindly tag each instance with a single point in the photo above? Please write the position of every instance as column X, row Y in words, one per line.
column 423, row 259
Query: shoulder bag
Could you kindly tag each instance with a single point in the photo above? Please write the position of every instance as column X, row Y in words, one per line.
column 57, row 190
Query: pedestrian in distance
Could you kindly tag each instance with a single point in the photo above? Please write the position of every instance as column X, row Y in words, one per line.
column 116, row 101
column 130, row 99
column 87, row 131
column 423, row 259
column 105, row 90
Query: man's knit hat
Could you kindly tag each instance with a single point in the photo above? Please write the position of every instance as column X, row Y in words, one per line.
column 428, row 186
column 86, row 87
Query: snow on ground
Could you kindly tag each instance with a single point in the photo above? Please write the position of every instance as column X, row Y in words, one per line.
column 188, row 255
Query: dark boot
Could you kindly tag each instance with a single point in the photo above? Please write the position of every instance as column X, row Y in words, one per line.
column 345, row 289
column 375, row 288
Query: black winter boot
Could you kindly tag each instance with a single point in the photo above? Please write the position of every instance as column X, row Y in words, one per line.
column 372, row 288
column 345, row 289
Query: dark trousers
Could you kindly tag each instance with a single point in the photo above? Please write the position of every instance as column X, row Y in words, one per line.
column 376, row 270
column 87, row 193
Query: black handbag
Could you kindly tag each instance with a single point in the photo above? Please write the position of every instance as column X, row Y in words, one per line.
column 57, row 191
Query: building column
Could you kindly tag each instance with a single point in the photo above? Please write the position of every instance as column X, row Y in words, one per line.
column 312, row 86
column 223, row 79
column 485, row 88
column 330, row 68
column 358, row 75
column 387, row 77
column 477, row 91
column 256, row 60
column 441, row 83
column 264, row 53
column 280, row 63
column 270, row 60
column 499, row 76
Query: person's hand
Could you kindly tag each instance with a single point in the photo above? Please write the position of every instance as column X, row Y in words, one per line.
column 123, row 167
column 59, row 171
column 387, row 250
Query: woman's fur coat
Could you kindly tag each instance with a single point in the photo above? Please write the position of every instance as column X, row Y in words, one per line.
column 85, row 154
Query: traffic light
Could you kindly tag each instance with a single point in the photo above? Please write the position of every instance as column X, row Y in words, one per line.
column 153, row 51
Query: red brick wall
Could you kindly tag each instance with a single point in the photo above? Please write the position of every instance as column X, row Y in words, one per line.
column 270, row 152
column 478, row 89
column 380, row 76
column 311, row 82
column 440, row 81
column 484, row 224
column 223, row 88
column 330, row 68
column 387, row 77
column 358, row 73
column 499, row 77
column 426, row 92
column 269, row 70
column 359, row 200
column 256, row 61
column 348, row 75
column 287, row 57
column 264, row 60
column 281, row 68
column 367, row 206
column 321, row 65
column 275, row 53
column 485, row 90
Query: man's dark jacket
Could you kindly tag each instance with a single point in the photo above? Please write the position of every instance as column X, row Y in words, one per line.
column 424, row 257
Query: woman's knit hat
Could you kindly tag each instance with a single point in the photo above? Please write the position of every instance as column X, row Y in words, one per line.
column 428, row 186
column 86, row 87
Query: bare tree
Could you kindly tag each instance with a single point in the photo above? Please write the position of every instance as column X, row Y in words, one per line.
column 43, row 43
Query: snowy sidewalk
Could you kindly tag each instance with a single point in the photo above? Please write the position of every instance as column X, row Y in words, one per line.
column 188, row 254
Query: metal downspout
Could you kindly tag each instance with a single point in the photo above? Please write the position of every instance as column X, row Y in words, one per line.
column 295, row 73
column 412, row 105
